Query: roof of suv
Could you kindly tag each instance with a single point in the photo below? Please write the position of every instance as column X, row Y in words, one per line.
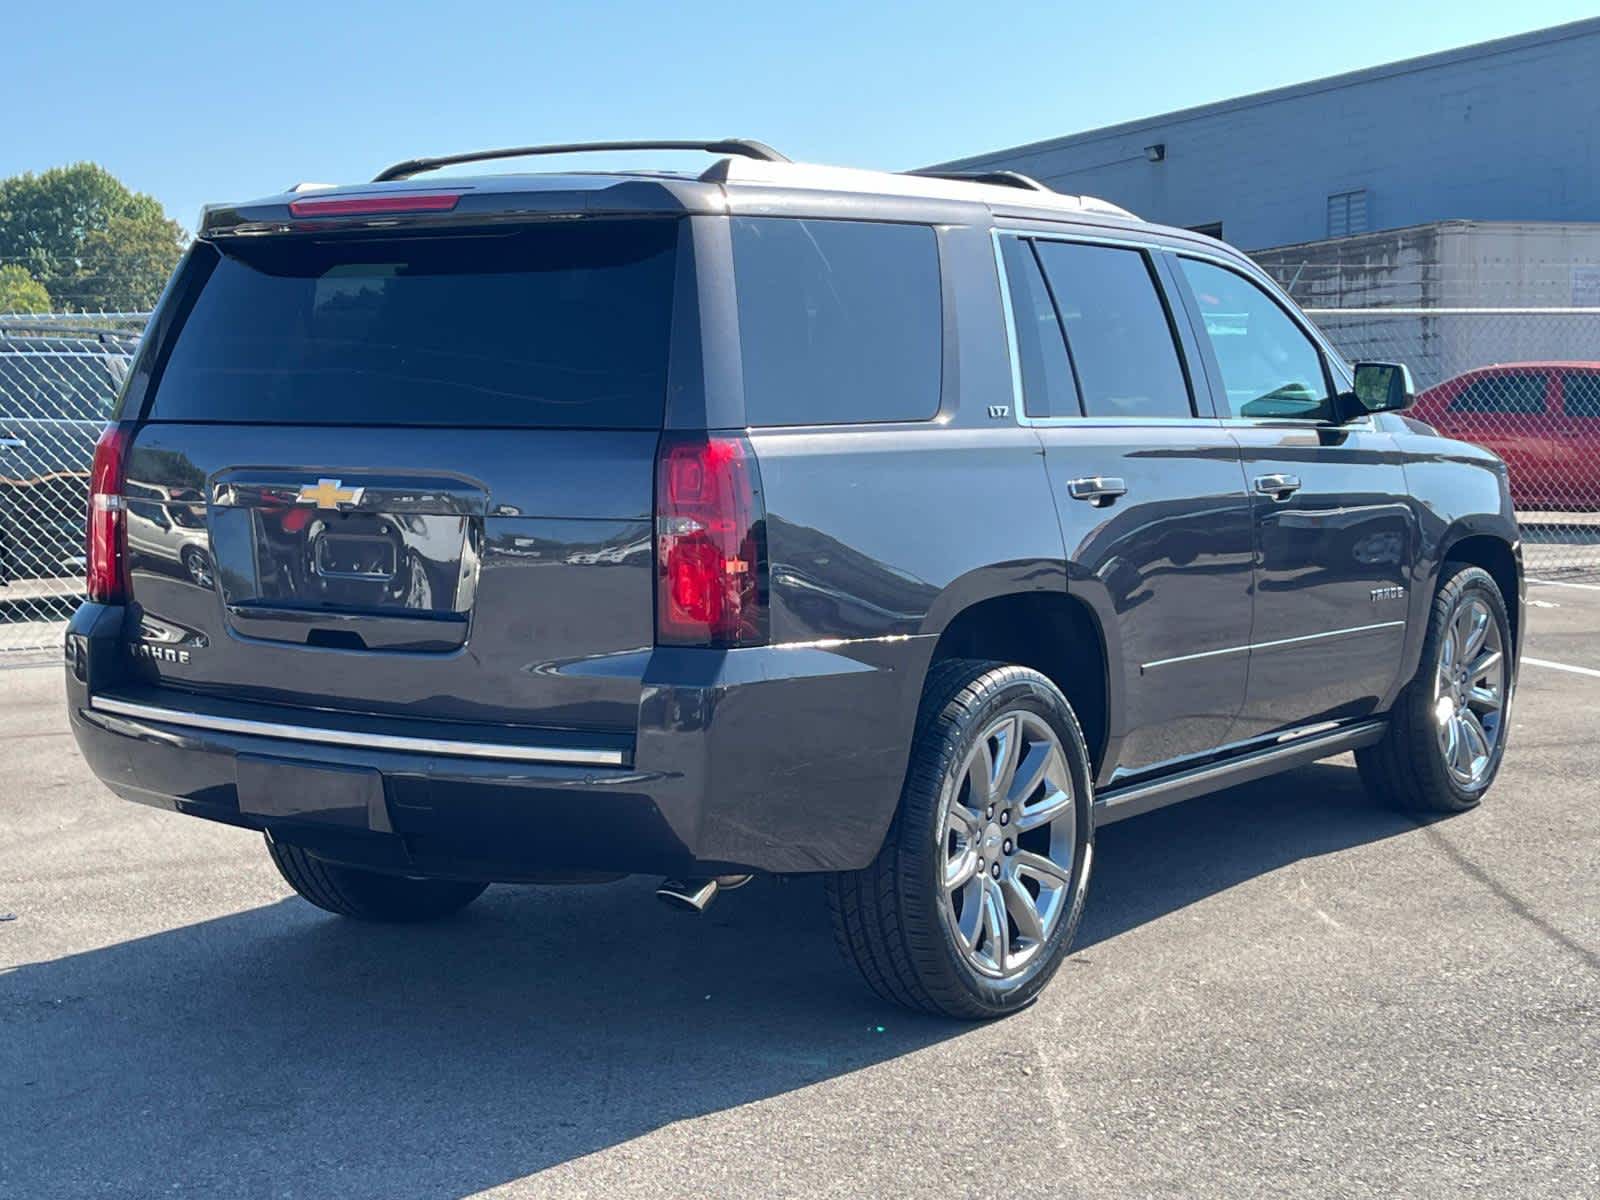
column 734, row 183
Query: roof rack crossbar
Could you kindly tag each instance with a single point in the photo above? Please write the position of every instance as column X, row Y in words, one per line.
column 740, row 146
column 1013, row 179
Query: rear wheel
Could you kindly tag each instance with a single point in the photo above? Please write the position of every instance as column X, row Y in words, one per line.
column 1447, row 733
column 972, row 902
column 369, row 895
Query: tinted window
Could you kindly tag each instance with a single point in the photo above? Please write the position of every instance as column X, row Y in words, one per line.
column 1047, row 386
column 1510, row 393
column 557, row 327
column 1582, row 398
column 1269, row 367
column 839, row 321
column 1118, row 332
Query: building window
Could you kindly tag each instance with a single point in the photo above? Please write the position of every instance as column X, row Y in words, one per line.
column 1347, row 213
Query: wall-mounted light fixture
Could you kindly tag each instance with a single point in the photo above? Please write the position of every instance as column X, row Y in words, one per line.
column 1156, row 153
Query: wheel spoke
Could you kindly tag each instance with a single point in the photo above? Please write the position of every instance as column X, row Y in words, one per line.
column 1488, row 661
column 969, row 926
column 1023, row 911
column 1032, row 770
column 1449, row 737
column 1474, row 623
column 980, row 776
column 1008, row 750
column 1476, row 739
column 994, row 922
column 1485, row 698
column 962, row 821
column 1045, row 870
column 961, row 868
column 1461, row 759
column 1054, row 804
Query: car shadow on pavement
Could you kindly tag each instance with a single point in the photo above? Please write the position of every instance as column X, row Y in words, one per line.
column 1159, row 863
column 282, row 1051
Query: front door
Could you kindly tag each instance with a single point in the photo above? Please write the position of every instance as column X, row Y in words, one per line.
column 1334, row 534
column 1151, row 497
column 1511, row 411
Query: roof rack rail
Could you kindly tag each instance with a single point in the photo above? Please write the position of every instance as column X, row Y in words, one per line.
column 1012, row 179
column 740, row 146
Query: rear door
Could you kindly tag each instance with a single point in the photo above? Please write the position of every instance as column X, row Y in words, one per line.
column 1575, row 478
column 1334, row 531
column 410, row 475
column 1148, row 489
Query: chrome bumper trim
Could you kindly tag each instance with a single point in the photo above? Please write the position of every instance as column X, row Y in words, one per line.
column 564, row 755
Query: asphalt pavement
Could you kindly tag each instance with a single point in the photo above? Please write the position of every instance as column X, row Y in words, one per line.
column 1283, row 989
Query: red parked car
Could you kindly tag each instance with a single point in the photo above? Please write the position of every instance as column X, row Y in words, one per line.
column 1542, row 418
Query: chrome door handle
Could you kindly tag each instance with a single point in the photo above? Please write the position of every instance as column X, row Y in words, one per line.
column 1279, row 487
column 1098, row 490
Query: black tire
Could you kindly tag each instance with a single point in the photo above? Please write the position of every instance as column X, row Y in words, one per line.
column 369, row 895
column 1407, row 768
column 888, row 919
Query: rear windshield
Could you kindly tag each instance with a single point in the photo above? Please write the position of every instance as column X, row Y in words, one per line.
column 551, row 327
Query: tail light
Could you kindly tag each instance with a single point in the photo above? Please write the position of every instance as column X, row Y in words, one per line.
column 711, row 543
column 108, row 517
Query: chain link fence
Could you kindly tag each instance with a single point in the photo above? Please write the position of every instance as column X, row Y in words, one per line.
column 59, row 374
column 1525, row 382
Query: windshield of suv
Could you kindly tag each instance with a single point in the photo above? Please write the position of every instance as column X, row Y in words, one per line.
column 555, row 326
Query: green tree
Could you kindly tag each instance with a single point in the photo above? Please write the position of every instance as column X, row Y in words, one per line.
column 89, row 239
column 124, row 266
column 21, row 292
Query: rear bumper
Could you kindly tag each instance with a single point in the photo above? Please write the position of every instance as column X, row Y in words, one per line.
column 782, row 759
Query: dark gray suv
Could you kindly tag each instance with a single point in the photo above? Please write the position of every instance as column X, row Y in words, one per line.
column 773, row 519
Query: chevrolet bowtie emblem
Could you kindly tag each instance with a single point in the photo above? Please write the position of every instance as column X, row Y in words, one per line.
column 328, row 494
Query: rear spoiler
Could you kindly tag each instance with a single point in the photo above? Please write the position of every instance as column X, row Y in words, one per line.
column 469, row 202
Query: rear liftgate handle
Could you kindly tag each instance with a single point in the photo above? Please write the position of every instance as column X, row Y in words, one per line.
column 1098, row 490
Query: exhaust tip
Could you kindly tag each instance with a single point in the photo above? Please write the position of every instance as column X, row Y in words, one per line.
column 687, row 895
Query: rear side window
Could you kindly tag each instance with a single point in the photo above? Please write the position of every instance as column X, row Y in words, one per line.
column 839, row 321
column 1521, row 392
column 1048, row 389
column 1582, row 394
column 1119, row 332
column 556, row 327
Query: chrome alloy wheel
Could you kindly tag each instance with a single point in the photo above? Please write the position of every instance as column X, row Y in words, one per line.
column 1009, row 831
column 1469, row 691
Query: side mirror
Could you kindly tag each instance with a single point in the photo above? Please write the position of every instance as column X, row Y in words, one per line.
column 1381, row 387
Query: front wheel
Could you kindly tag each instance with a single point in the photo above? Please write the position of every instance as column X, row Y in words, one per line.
column 369, row 895
column 972, row 902
column 1447, row 732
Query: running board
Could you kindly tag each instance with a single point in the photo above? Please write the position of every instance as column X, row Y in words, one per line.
column 1130, row 800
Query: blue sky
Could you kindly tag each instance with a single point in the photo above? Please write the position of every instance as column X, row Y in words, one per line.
column 195, row 102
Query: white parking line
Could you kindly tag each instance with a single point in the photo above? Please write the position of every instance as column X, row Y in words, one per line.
column 1555, row 666
column 1586, row 587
